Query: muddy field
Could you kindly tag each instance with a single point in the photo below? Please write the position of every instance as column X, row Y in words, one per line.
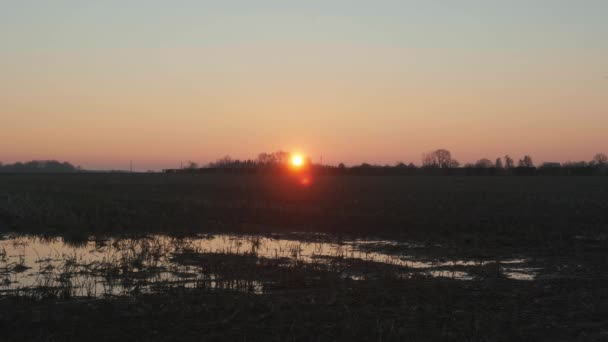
column 212, row 257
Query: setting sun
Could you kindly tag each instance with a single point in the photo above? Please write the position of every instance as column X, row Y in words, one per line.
column 297, row 160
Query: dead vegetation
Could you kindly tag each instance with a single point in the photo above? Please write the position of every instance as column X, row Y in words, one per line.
column 412, row 259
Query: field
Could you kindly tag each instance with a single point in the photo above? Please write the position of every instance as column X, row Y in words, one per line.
column 262, row 257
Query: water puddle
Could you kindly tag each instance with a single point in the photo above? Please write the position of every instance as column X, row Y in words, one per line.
column 114, row 267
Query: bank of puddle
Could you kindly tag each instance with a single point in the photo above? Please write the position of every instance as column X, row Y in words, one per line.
column 41, row 266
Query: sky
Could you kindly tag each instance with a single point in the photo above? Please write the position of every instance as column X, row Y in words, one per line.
column 100, row 83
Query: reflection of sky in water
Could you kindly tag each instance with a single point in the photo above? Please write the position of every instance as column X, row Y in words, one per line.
column 124, row 266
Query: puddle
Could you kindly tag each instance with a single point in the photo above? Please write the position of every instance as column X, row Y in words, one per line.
column 116, row 267
column 520, row 273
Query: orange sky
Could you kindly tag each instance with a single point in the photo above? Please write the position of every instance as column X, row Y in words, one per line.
column 383, row 84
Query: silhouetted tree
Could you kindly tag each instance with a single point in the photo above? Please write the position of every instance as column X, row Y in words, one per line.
column 428, row 160
column 40, row 166
column 225, row 161
column 509, row 163
column 444, row 158
column 278, row 158
column 498, row 163
column 599, row 159
column 265, row 159
column 484, row 163
column 191, row 165
column 526, row 162
column 440, row 159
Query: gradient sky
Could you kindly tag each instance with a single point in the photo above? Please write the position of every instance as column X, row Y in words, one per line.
column 99, row 83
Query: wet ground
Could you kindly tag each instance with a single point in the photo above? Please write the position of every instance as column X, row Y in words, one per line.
column 296, row 287
column 385, row 258
column 98, row 267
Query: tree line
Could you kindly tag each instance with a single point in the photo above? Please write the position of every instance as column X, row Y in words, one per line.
column 267, row 161
column 437, row 162
column 39, row 166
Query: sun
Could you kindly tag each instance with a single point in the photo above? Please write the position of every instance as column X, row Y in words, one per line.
column 297, row 160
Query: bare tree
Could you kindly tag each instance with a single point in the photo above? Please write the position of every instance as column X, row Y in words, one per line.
column 428, row 160
column 444, row 158
column 439, row 158
column 225, row 161
column 526, row 162
column 509, row 163
column 282, row 157
column 265, row 159
column 600, row 159
column 274, row 159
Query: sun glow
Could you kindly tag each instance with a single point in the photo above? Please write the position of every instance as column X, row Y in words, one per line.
column 297, row 161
